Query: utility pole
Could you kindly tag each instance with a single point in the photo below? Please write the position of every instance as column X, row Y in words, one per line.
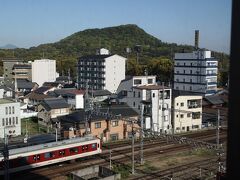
column 110, row 159
column 133, row 168
column 163, row 109
column 218, row 122
column 56, row 131
column 141, row 134
column 6, row 156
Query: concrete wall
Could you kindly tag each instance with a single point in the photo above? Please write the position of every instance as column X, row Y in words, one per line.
column 114, row 72
column 43, row 70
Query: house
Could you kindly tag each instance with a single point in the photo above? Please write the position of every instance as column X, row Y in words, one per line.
column 49, row 109
column 102, row 71
column 26, row 112
column 187, row 112
column 24, row 87
column 10, row 121
column 125, row 88
column 99, row 95
column 154, row 102
column 108, row 123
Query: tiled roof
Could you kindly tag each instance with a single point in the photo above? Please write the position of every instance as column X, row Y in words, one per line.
column 36, row 96
column 25, row 84
column 42, row 89
column 55, row 103
column 215, row 100
column 121, row 110
column 51, row 84
column 100, row 92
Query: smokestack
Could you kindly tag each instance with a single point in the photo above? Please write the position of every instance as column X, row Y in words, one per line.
column 196, row 39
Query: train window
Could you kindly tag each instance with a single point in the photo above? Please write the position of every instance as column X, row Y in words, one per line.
column 61, row 153
column 38, row 157
column 94, row 146
column 34, row 158
column 74, row 150
column 47, row 155
column 86, row 147
column 98, row 145
column 82, row 148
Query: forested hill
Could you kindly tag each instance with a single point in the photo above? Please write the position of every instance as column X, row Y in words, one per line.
column 116, row 39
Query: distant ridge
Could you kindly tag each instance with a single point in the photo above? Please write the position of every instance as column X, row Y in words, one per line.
column 8, row 46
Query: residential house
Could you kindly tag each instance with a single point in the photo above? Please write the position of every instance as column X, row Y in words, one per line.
column 51, row 108
column 187, row 112
column 108, row 123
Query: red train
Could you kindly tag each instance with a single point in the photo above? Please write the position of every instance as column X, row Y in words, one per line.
column 50, row 153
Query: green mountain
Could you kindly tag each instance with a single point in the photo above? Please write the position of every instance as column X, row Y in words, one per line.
column 116, row 39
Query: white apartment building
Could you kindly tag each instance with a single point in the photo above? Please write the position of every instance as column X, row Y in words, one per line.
column 43, row 70
column 187, row 113
column 196, row 71
column 101, row 71
column 10, row 121
column 125, row 88
column 156, row 107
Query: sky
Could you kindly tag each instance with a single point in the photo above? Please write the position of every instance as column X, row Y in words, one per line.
column 27, row 23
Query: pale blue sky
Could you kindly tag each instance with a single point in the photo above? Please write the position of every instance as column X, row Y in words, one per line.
column 27, row 23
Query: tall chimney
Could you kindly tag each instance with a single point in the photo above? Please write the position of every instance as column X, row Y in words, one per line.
column 196, row 39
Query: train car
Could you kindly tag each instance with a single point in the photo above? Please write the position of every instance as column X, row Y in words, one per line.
column 50, row 153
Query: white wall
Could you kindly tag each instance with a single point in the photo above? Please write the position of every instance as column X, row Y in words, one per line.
column 43, row 70
column 185, row 121
column 16, row 115
column 114, row 72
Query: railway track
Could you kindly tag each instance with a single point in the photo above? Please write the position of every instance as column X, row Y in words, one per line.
column 120, row 154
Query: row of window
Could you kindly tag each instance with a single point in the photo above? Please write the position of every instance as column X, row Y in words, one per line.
column 9, row 110
column 188, row 128
column 195, row 115
column 98, row 124
column 9, row 121
column 196, row 64
column 190, row 88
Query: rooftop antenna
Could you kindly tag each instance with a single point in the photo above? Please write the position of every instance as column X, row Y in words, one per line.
column 196, row 39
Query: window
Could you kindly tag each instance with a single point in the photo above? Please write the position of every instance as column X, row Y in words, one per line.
column 188, row 114
column 13, row 120
column 190, row 71
column 139, row 94
column 3, row 122
column 10, row 121
column 9, row 110
column 6, row 121
column 177, row 104
column 97, row 125
column 182, row 104
column 150, row 81
column 191, row 64
column 137, row 81
column 16, row 120
column 195, row 126
column 190, row 80
column 196, row 115
column 114, row 137
column 74, row 150
column 133, row 104
column 114, row 123
column 183, row 71
column 61, row 152
column 134, row 93
column 6, row 110
column 176, row 115
column 190, row 88
column 183, row 128
column 153, row 94
column 182, row 115
column 138, row 107
column 94, row 146
column 184, row 64
column 13, row 110
column 183, row 79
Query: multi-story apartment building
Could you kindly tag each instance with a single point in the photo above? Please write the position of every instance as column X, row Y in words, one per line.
column 155, row 103
column 10, row 122
column 22, row 71
column 43, row 70
column 187, row 113
column 196, row 71
column 101, row 71
column 8, row 64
